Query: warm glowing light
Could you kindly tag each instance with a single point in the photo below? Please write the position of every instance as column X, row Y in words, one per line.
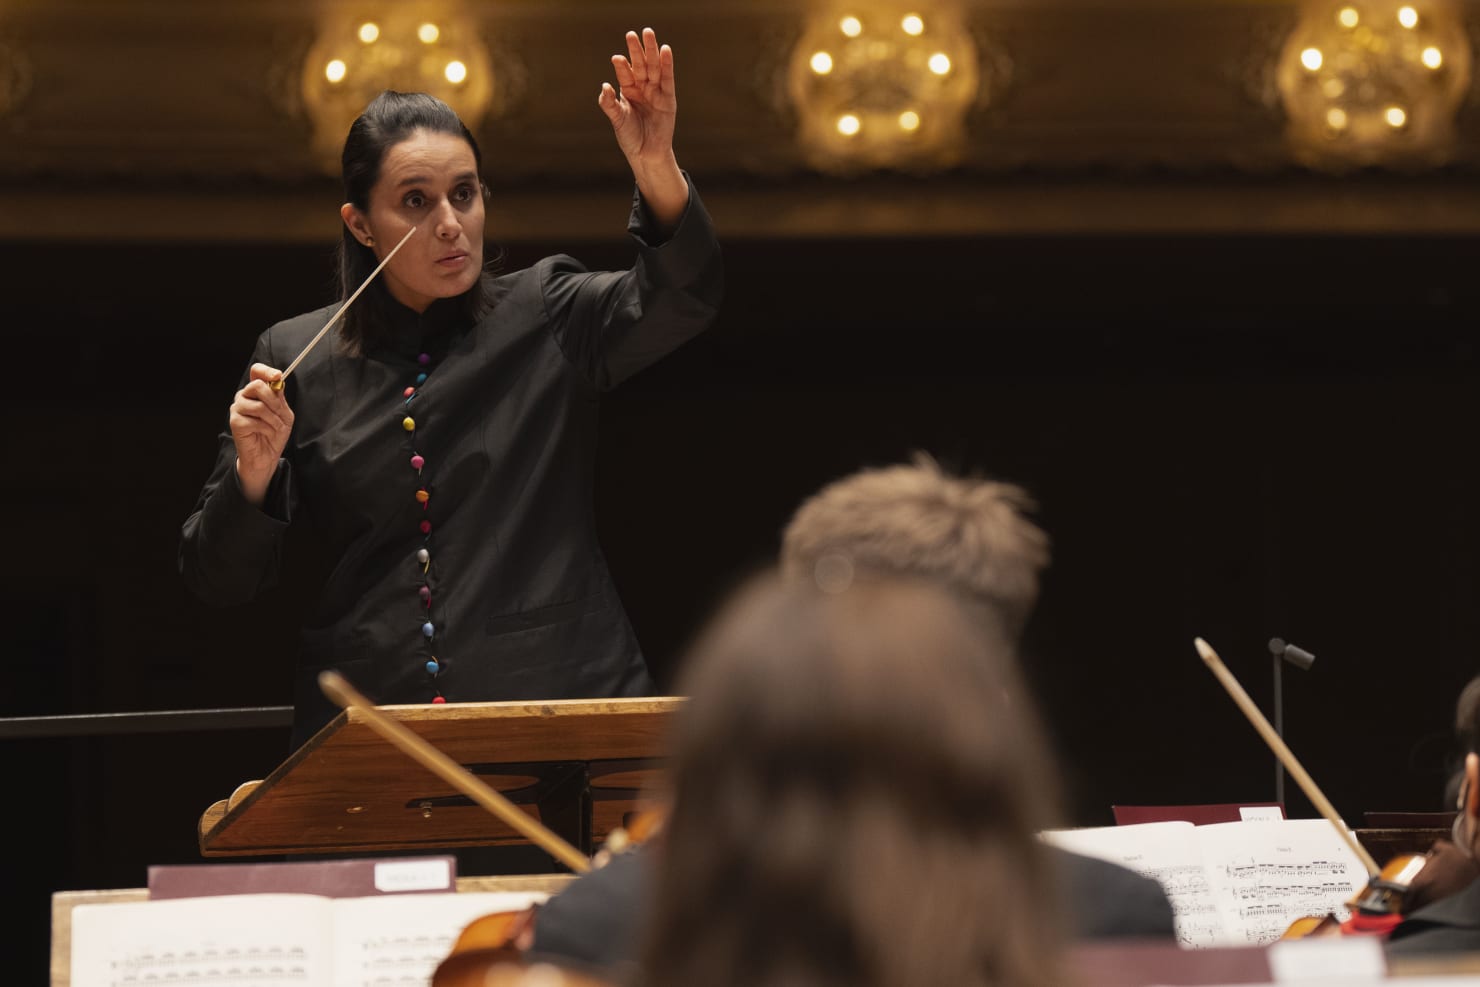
column 909, row 120
column 334, row 71
column 848, row 125
column 1336, row 118
column 913, row 24
column 851, row 26
column 1432, row 57
column 1348, row 17
column 456, row 72
column 940, row 63
column 1408, row 17
column 369, row 31
column 1395, row 116
column 822, row 63
column 428, row 33
column 1311, row 59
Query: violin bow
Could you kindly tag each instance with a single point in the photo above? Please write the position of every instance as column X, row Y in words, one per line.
column 340, row 691
column 1282, row 751
column 277, row 385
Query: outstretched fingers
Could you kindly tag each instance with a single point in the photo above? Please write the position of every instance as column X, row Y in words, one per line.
column 637, row 54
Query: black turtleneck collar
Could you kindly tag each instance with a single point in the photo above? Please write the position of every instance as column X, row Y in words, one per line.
column 412, row 333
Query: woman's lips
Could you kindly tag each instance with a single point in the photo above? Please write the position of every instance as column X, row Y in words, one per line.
column 453, row 260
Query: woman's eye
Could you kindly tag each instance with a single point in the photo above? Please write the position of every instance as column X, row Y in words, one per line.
column 414, row 200
column 464, row 193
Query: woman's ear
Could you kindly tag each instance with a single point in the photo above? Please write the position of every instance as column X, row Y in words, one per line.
column 355, row 220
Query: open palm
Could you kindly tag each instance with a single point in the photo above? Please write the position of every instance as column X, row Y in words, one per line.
column 642, row 114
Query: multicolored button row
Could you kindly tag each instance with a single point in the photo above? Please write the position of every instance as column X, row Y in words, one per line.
column 423, row 497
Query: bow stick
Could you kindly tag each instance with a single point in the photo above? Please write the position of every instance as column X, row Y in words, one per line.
column 277, row 385
column 340, row 691
column 1281, row 751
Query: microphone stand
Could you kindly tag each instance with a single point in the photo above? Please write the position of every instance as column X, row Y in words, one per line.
column 1302, row 660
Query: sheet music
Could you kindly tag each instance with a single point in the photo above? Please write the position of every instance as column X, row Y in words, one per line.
column 1166, row 851
column 1233, row 884
column 380, row 942
column 276, row 940
column 1263, row 879
column 234, row 941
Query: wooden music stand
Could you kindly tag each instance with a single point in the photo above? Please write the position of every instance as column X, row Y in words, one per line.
column 578, row 766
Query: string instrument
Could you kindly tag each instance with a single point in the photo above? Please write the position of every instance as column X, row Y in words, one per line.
column 491, row 948
column 1377, row 907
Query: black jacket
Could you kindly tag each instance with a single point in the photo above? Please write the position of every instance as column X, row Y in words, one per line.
column 521, row 605
column 596, row 922
column 1449, row 925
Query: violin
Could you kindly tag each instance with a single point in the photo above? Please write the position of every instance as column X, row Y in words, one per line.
column 490, row 950
column 1382, row 903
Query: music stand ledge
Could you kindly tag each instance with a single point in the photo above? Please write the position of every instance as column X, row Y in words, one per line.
column 578, row 766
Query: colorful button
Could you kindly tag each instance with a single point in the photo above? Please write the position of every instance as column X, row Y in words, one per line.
column 424, row 359
column 427, row 629
column 408, row 392
column 417, row 463
column 421, row 379
column 425, row 592
column 433, row 667
column 438, row 700
column 408, row 423
column 422, row 496
column 423, row 556
column 426, row 527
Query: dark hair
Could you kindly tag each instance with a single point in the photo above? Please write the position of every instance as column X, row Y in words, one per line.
column 973, row 536
column 859, row 780
column 390, row 118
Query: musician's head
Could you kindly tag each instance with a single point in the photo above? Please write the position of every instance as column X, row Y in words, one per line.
column 859, row 778
column 972, row 536
column 409, row 161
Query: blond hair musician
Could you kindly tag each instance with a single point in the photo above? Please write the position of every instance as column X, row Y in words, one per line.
column 858, row 781
column 439, row 449
column 975, row 538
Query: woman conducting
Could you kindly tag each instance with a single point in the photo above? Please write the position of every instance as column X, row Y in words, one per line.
column 440, row 445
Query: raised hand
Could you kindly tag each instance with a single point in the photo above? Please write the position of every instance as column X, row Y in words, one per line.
column 643, row 113
column 642, row 116
column 260, row 423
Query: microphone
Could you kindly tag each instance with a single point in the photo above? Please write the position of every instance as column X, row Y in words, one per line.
column 1291, row 653
column 1301, row 659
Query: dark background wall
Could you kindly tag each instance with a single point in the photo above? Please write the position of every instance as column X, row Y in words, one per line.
column 1229, row 437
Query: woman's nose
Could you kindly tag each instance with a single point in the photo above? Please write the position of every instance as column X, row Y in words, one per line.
column 448, row 225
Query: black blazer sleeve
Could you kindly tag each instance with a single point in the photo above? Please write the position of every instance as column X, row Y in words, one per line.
column 229, row 550
column 610, row 325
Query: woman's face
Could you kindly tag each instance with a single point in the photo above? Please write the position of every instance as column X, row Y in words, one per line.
column 430, row 181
